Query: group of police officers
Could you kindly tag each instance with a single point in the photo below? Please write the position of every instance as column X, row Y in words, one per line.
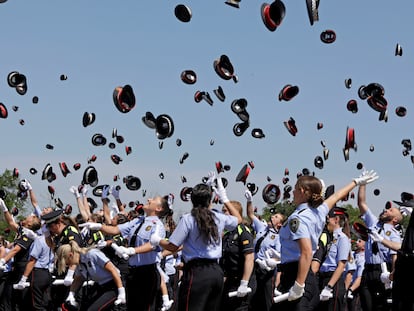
column 253, row 259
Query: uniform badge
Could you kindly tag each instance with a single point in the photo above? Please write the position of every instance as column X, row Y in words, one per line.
column 71, row 238
column 334, row 241
column 272, row 237
column 294, row 225
column 148, row 228
column 388, row 233
column 245, row 242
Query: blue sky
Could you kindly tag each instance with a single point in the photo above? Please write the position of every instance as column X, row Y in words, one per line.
column 103, row 44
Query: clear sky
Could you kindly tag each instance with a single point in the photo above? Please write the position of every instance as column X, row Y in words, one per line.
column 103, row 44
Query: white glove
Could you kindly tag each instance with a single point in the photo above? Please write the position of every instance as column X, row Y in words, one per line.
column 119, row 251
column 262, row 264
column 296, row 291
column 220, row 191
column 91, row 225
column 272, row 253
column 3, row 206
column 68, row 280
column 130, row 251
column 166, row 303
column 326, row 294
column 211, row 178
column 366, row 178
column 105, row 192
column 243, row 289
column 350, row 294
column 75, row 191
column 271, row 263
column 155, row 239
column 29, row 233
column 2, row 264
column 115, row 192
column 71, row 299
column 101, row 244
column 385, row 277
column 376, row 237
column 85, row 190
column 121, row 299
column 406, row 211
column 26, row 185
column 22, row 283
column 248, row 195
column 277, row 293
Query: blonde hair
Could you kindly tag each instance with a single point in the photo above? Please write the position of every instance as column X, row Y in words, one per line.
column 63, row 252
column 238, row 206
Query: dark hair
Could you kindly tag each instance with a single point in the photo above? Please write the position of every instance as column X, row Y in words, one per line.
column 204, row 217
column 165, row 207
column 312, row 187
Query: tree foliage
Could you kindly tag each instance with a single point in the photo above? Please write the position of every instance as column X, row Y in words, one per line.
column 9, row 184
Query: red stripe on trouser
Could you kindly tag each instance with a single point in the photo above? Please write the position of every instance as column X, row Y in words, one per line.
column 189, row 289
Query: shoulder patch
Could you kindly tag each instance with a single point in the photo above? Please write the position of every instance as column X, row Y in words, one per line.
column 245, row 242
column 294, row 224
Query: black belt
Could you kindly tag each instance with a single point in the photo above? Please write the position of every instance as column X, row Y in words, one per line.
column 134, row 268
column 200, row 262
column 284, row 267
column 372, row 267
column 41, row 269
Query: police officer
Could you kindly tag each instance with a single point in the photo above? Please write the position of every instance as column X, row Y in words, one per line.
column 299, row 238
column 20, row 300
column 373, row 290
column 331, row 283
column 358, row 263
column 267, row 238
column 60, row 230
column 199, row 232
column 237, row 262
column 38, row 270
column 143, row 279
column 91, row 264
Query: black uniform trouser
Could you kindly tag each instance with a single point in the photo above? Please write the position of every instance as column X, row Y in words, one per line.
column 5, row 291
column 201, row 286
column 337, row 302
column 231, row 284
column 21, row 300
column 143, row 283
column 40, row 289
column 263, row 298
column 100, row 297
column 402, row 289
column 288, row 276
column 372, row 291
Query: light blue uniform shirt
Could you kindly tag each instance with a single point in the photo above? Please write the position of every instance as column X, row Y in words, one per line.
column 304, row 222
column 151, row 225
column 92, row 266
column 359, row 263
column 188, row 235
column 43, row 254
column 387, row 231
column 271, row 239
column 339, row 250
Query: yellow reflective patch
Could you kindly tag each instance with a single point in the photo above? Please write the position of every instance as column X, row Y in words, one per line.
column 245, row 242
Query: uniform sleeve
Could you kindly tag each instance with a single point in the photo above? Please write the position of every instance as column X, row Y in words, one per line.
column 246, row 239
column 298, row 229
column 369, row 219
column 344, row 247
column 36, row 249
column 181, row 232
column 24, row 242
column 258, row 225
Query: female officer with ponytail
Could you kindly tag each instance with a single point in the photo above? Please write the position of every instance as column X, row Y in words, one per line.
column 299, row 239
column 199, row 232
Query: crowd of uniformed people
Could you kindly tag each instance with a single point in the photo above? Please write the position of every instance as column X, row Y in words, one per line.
column 212, row 259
